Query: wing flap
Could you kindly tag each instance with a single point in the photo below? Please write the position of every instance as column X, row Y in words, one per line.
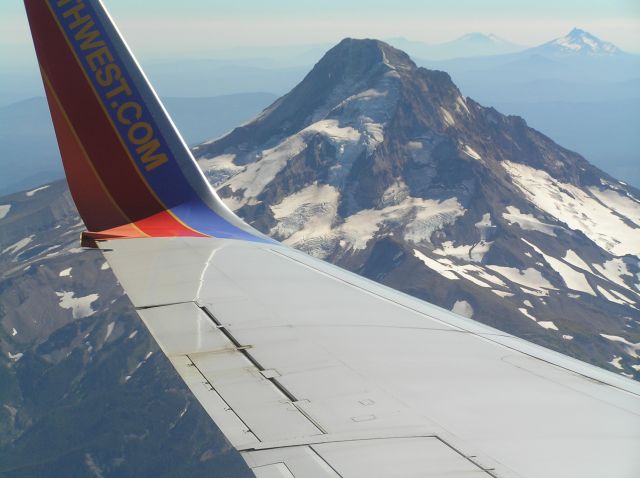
column 426, row 457
column 268, row 411
column 235, row 430
column 195, row 342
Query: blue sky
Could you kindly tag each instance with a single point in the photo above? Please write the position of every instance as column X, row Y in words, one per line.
column 192, row 28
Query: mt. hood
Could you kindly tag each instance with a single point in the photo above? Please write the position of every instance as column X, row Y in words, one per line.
column 388, row 170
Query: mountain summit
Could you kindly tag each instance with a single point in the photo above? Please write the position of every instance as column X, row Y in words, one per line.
column 342, row 72
column 468, row 45
column 475, row 39
column 580, row 42
column 387, row 169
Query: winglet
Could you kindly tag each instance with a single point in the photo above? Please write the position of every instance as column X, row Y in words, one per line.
column 129, row 171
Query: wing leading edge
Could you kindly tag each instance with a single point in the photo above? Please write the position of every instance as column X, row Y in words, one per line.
column 310, row 371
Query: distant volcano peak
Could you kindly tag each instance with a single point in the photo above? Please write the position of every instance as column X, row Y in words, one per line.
column 581, row 42
column 483, row 37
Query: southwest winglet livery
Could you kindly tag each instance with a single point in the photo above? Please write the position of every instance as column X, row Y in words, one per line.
column 129, row 171
column 309, row 370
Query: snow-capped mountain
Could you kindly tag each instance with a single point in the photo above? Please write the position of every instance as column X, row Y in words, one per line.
column 480, row 44
column 577, row 41
column 470, row 44
column 388, row 170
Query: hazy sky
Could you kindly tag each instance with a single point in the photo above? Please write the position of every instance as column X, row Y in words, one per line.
column 163, row 28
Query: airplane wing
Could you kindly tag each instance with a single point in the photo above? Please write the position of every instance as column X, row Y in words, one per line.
column 309, row 370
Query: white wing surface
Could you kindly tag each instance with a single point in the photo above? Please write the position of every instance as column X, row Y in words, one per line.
column 313, row 371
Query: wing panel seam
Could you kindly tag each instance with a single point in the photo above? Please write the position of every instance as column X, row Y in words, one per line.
column 213, row 389
column 243, row 349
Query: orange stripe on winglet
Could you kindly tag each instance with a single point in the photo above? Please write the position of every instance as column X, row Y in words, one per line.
column 127, row 231
column 159, row 225
column 164, row 224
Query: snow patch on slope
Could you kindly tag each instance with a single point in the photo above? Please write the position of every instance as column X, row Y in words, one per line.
column 422, row 218
column 446, row 116
column 461, row 105
column 630, row 348
column 140, row 364
column 527, row 221
column 615, row 270
column 573, row 279
column 484, row 225
column 4, row 210
column 463, row 308
column 373, row 133
column 616, row 362
column 15, row 357
column 257, row 175
column 80, row 306
column 219, row 168
column 625, row 204
column 430, row 216
column 33, row 191
column 331, row 129
column 109, row 331
column 612, row 298
column 545, row 324
column 469, row 252
column 21, row 244
column 253, row 178
column 366, row 95
column 471, row 272
column 308, row 219
column 594, row 212
column 307, row 215
column 530, row 278
column 471, row 152
column 575, row 260
column 622, row 296
column 441, row 269
column 526, row 313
